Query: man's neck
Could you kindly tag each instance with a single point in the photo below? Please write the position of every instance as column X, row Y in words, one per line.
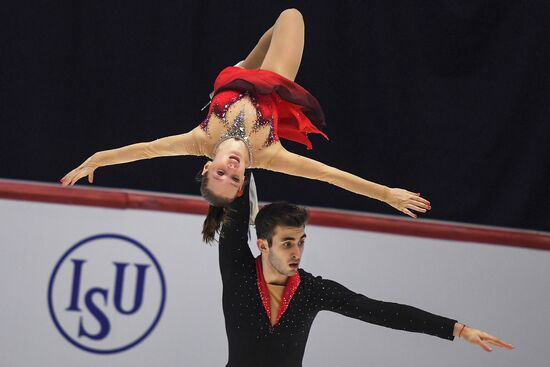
column 271, row 275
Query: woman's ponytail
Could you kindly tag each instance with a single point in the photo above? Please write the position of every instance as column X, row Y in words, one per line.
column 212, row 223
column 216, row 210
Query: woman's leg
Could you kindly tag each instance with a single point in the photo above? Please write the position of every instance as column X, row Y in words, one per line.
column 256, row 57
column 280, row 48
column 287, row 45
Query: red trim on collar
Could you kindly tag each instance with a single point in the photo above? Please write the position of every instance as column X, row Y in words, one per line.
column 262, row 287
column 290, row 288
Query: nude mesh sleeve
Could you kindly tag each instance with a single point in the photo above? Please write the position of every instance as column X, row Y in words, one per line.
column 183, row 144
column 296, row 165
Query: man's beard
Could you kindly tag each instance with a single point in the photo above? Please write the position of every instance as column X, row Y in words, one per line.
column 279, row 265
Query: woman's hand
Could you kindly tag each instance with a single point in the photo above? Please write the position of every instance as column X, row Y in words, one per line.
column 85, row 169
column 405, row 201
column 483, row 339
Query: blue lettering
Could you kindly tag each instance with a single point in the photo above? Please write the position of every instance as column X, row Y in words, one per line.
column 75, row 293
column 119, row 285
column 104, row 324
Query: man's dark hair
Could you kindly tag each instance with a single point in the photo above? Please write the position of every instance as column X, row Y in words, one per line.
column 278, row 214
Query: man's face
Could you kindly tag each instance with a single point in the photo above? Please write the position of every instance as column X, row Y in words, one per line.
column 287, row 246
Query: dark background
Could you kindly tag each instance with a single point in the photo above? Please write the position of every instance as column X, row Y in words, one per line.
column 448, row 98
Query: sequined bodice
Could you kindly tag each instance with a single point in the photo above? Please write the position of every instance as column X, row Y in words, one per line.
column 257, row 107
column 244, row 116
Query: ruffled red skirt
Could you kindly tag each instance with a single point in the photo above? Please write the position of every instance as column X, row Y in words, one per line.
column 295, row 111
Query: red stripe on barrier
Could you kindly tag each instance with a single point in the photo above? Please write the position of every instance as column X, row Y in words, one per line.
column 121, row 199
column 432, row 229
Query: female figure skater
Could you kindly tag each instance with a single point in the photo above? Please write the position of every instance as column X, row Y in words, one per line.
column 255, row 104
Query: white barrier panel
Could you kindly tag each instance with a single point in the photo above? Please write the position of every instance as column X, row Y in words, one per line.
column 90, row 286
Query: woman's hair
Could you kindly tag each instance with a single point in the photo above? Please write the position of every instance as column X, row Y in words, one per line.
column 216, row 210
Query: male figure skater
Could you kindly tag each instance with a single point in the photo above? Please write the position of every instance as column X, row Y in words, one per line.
column 269, row 303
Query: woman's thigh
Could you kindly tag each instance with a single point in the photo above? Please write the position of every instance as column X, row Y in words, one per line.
column 287, row 45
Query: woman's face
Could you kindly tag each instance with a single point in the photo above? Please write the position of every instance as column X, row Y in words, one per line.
column 225, row 174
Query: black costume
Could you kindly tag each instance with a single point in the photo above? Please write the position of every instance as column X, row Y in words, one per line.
column 253, row 341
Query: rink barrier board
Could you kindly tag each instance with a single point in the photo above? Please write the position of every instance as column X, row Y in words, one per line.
column 127, row 199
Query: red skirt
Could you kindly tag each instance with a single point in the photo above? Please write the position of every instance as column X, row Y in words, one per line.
column 295, row 111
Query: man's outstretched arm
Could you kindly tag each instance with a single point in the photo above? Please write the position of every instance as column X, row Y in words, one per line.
column 338, row 298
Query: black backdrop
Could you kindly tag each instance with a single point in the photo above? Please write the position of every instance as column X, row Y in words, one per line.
column 448, row 98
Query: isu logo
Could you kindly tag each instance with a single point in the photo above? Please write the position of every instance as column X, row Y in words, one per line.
column 106, row 293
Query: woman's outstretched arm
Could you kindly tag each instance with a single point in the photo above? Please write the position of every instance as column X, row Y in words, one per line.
column 296, row 165
column 182, row 144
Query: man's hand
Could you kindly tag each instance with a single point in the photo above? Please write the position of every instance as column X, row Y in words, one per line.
column 481, row 338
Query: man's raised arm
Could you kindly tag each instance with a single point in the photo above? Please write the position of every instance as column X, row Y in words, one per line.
column 234, row 252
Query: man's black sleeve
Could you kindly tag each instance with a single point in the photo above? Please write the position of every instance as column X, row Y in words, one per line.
column 335, row 297
column 234, row 252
